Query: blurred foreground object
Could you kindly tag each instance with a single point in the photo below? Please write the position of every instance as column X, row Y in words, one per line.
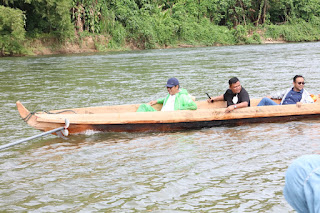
column 302, row 187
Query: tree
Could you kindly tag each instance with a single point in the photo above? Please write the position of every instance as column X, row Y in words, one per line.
column 12, row 32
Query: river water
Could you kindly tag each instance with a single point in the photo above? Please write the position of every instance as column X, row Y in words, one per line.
column 221, row 169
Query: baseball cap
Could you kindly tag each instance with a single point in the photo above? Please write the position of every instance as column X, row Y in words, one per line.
column 172, row 82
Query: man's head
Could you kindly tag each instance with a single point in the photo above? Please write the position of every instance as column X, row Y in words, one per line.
column 234, row 85
column 173, row 86
column 298, row 83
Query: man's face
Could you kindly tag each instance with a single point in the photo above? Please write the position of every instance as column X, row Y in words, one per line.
column 236, row 87
column 298, row 84
column 173, row 90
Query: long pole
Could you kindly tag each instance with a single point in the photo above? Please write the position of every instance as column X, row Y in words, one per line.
column 37, row 136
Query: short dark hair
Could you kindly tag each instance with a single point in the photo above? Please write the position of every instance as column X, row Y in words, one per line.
column 297, row 76
column 233, row 80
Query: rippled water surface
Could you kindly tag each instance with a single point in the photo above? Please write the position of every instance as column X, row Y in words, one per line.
column 221, row 169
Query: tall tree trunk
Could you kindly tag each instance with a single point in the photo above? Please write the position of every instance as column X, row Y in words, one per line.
column 265, row 11
column 262, row 12
column 243, row 14
column 79, row 21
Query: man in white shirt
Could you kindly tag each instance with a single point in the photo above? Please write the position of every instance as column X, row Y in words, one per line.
column 177, row 99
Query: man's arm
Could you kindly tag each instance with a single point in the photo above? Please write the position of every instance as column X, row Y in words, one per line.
column 236, row 106
column 152, row 103
column 188, row 103
column 306, row 99
column 278, row 95
column 158, row 101
column 217, row 98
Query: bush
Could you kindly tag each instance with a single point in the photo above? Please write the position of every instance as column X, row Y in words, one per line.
column 165, row 28
column 256, row 37
column 118, row 34
column 273, row 31
column 12, row 32
column 299, row 31
column 240, row 34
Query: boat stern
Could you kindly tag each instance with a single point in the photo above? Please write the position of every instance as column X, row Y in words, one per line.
column 28, row 116
column 22, row 110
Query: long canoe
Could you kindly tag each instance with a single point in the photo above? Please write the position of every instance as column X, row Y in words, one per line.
column 124, row 118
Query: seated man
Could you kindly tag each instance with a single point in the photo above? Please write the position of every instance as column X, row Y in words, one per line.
column 177, row 99
column 236, row 96
column 295, row 95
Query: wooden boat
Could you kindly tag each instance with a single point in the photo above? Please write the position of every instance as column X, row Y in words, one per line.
column 124, row 118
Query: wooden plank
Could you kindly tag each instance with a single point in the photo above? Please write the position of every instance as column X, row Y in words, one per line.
column 134, row 107
column 180, row 116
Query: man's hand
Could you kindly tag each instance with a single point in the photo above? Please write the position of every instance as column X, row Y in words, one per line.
column 210, row 100
column 299, row 104
column 230, row 108
column 152, row 103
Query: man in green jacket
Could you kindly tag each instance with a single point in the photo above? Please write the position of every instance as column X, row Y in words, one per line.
column 177, row 99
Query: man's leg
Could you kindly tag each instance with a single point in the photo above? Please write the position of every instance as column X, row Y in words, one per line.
column 266, row 102
column 145, row 108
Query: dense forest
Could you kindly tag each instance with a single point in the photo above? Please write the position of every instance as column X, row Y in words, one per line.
column 156, row 23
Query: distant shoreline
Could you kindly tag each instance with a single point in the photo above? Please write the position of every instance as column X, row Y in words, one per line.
column 88, row 45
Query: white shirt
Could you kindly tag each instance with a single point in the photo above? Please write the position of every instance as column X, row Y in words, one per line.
column 169, row 106
column 235, row 99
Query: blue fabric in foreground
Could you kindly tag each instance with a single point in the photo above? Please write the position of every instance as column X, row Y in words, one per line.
column 302, row 187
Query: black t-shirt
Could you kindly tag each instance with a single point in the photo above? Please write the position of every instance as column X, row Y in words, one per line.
column 242, row 97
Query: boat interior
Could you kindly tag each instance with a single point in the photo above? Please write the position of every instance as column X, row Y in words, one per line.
column 202, row 105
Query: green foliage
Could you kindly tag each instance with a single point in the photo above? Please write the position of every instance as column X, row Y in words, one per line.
column 254, row 39
column 315, row 21
column 205, row 33
column 118, row 36
column 12, row 32
column 215, row 10
column 45, row 16
column 240, row 34
column 302, row 31
column 161, row 23
column 273, row 31
column 140, row 32
column 165, row 28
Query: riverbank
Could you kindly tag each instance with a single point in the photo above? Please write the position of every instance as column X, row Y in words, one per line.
column 94, row 44
column 75, row 27
column 47, row 44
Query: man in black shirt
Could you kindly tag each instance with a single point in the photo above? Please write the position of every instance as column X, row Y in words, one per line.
column 236, row 96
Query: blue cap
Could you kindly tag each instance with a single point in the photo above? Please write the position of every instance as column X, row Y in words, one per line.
column 172, row 82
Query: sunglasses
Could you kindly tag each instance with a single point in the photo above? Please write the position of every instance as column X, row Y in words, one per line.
column 170, row 87
column 300, row 83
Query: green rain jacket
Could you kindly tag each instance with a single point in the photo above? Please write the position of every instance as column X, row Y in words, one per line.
column 182, row 102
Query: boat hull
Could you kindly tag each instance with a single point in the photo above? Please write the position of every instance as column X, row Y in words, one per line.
column 124, row 118
column 171, row 127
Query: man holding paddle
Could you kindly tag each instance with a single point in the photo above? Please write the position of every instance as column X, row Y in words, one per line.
column 236, row 96
column 177, row 99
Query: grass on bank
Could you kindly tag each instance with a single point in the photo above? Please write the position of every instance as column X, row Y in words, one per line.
column 192, row 34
